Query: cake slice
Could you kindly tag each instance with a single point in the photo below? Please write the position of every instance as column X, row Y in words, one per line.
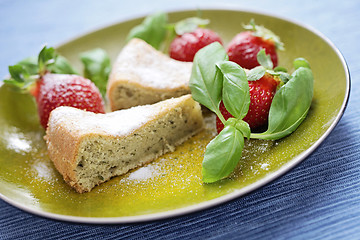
column 88, row 148
column 142, row 75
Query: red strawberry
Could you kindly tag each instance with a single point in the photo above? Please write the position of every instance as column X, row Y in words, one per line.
column 262, row 92
column 54, row 90
column 185, row 46
column 243, row 48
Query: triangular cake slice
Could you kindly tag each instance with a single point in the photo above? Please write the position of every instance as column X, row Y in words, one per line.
column 142, row 75
column 88, row 148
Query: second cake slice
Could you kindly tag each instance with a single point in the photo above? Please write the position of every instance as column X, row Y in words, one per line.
column 142, row 75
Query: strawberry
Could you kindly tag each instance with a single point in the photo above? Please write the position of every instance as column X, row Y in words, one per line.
column 243, row 48
column 262, row 92
column 185, row 46
column 54, row 90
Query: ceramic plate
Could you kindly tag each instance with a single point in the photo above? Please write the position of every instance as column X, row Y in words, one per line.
column 172, row 184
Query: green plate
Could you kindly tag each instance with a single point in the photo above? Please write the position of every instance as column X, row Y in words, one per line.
column 172, row 184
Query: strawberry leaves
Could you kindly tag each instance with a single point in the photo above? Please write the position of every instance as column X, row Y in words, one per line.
column 214, row 79
column 20, row 77
column 25, row 73
column 266, row 66
column 261, row 31
column 189, row 25
column 46, row 58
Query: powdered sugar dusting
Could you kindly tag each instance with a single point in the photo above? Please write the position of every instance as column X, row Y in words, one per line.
column 144, row 173
column 118, row 123
column 150, row 67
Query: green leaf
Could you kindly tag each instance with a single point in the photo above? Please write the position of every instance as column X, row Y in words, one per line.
column 265, row 33
column 189, row 25
column 97, row 67
column 235, row 92
column 256, row 73
column 62, row 66
column 240, row 125
column 222, row 154
column 280, row 69
column 20, row 78
column 152, row 30
column 264, row 59
column 290, row 105
column 46, row 58
column 206, row 80
column 301, row 62
column 30, row 64
column 283, row 75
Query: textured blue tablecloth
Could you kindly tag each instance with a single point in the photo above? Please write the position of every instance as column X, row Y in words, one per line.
column 319, row 199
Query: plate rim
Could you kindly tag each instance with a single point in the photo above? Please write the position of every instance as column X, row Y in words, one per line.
column 222, row 199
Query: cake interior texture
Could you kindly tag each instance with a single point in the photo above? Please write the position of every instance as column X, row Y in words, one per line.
column 129, row 94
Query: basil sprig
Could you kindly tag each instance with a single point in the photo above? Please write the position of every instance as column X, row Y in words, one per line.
column 97, row 67
column 152, row 30
column 214, row 79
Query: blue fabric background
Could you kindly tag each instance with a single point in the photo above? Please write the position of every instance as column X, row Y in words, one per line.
column 319, row 199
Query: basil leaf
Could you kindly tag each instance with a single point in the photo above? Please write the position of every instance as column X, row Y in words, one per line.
column 280, row 69
column 264, row 59
column 301, row 62
column 62, row 66
column 222, row 154
column 152, row 30
column 256, row 73
column 189, row 25
column 97, row 67
column 240, row 125
column 206, row 80
column 284, row 77
column 289, row 106
column 235, row 92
